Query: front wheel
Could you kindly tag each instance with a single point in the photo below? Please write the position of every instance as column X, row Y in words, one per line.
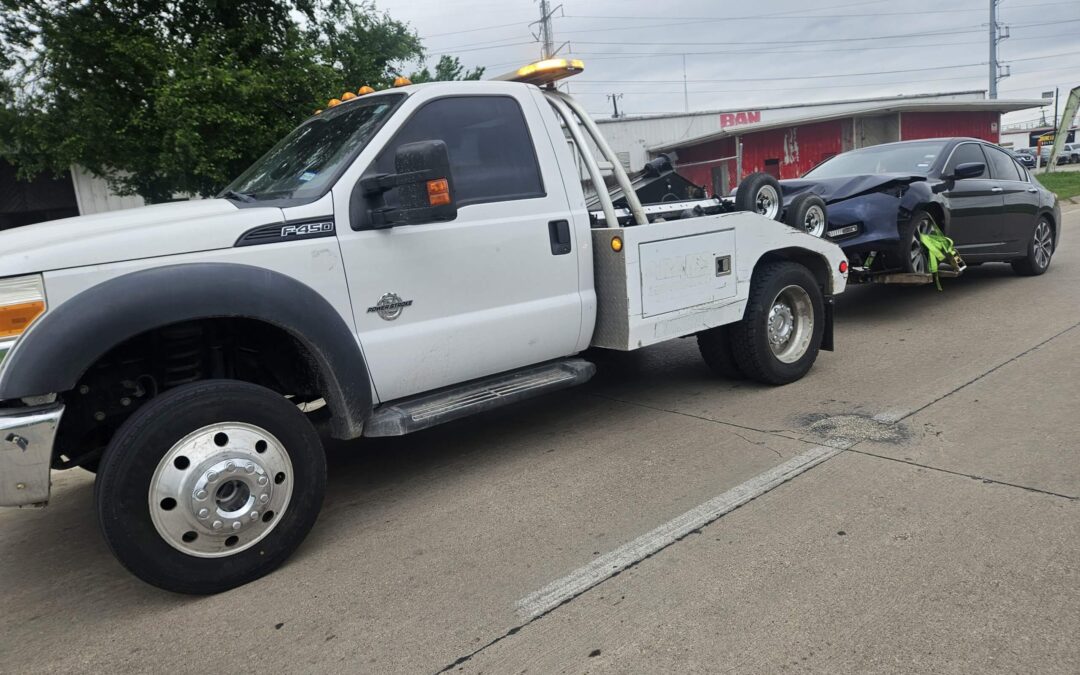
column 1039, row 251
column 780, row 335
column 910, row 254
column 209, row 486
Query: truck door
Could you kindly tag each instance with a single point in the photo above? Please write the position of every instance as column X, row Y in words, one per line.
column 495, row 289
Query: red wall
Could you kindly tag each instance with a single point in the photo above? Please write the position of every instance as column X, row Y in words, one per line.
column 984, row 125
column 796, row 149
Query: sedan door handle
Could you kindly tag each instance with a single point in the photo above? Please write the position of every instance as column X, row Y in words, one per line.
column 1033, row 190
column 997, row 189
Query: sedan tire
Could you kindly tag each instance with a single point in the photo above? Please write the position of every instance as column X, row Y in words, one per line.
column 1039, row 253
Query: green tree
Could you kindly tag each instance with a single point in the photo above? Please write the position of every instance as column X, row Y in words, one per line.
column 178, row 96
column 448, row 68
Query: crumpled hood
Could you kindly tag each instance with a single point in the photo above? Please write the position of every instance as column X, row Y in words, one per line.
column 844, row 187
column 130, row 234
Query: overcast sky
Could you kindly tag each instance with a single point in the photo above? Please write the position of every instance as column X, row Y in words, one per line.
column 766, row 52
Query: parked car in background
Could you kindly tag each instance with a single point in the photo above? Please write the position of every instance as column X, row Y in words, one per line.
column 1044, row 155
column 1026, row 156
column 880, row 198
column 1071, row 153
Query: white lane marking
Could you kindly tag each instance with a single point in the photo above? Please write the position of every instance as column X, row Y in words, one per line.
column 587, row 576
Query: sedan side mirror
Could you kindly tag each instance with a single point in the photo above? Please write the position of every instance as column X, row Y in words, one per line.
column 424, row 184
column 969, row 170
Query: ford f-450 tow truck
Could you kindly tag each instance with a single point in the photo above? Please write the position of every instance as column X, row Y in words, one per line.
column 401, row 259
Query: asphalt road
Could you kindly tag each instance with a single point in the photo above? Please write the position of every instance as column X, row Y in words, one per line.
column 939, row 530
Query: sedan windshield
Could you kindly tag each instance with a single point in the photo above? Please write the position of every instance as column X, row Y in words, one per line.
column 307, row 161
column 913, row 158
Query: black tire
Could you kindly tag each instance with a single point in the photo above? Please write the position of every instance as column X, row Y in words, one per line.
column 909, row 254
column 1040, row 251
column 127, row 472
column 806, row 213
column 715, row 347
column 750, row 338
column 760, row 193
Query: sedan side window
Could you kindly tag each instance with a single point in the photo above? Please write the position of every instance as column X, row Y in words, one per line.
column 492, row 157
column 966, row 153
column 1002, row 167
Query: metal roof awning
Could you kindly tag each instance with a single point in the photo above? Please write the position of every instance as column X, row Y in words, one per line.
column 988, row 105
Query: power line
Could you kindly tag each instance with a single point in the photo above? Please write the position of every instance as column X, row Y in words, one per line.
column 800, row 77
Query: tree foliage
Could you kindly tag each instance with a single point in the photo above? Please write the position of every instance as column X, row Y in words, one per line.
column 179, row 96
column 448, row 68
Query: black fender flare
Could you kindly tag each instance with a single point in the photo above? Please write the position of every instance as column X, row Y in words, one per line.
column 60, row 347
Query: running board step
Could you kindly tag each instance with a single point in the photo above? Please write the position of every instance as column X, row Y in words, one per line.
column 409, row 415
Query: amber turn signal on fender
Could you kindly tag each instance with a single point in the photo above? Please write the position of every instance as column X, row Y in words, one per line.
column 438, row 191
column 616, row 244
column 14, row 319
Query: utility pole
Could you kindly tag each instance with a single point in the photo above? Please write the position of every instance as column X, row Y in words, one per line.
column 615, row 104
column 547, row 34
column 997, row 34
column 1057, row 95
column 685, row 93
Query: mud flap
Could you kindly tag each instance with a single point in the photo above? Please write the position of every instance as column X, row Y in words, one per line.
column 827, row 333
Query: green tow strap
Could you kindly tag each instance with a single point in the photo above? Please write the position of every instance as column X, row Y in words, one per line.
column 939, row 248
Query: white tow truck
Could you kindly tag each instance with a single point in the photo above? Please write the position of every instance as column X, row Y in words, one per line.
column 403, row 258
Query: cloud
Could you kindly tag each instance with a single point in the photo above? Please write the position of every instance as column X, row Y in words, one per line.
column 775, row 52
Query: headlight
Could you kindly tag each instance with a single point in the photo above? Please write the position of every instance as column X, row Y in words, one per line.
column 22, row 301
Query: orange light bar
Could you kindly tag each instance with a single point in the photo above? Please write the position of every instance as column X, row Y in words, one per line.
column 14, row 319
column 365, row 90
column 438, row 191
column 401, row 81
column 347, row 95
column 333, row 102
column 545, row 72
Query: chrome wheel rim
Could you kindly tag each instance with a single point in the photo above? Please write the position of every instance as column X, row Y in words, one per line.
column 1043, row 244
column 814, row 222
column 790, row 324
column 768, row 201
column 221, row 489
column 918, row 252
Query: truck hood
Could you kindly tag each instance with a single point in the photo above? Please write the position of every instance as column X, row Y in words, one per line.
column 845, row 187
column 131, row 234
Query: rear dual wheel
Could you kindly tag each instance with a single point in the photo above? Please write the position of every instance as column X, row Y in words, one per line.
column 210, row 486
column 780, row 334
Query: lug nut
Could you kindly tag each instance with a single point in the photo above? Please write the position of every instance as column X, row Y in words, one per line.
column 230, row 467
column 263, row 498
column 250, row 468
column 99, row 416
column 200, row 495
column 217, row 525
column 254, row 515
column 211, row 477
column 125, row 402
column 262, row 480
column 84, row 390
column 237, row 525
column 204, row 514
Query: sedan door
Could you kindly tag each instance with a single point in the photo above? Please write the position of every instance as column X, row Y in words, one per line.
column 974, row 204
column 1020, row 207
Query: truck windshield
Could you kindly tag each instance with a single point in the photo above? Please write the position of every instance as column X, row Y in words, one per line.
column 305, row 163
column 913, row 158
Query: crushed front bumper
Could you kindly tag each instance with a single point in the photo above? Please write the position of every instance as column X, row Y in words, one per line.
column 26, row 446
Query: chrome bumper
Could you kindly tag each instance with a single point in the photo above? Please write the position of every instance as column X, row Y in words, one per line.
column 26, row 445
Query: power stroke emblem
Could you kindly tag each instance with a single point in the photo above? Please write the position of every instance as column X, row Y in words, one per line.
column 390, row 306
column 306, row 229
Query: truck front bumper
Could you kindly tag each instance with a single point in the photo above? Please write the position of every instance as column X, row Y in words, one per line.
column 26, row 447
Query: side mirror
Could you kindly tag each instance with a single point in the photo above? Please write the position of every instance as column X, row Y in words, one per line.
column 969, row 170
column 424, row 184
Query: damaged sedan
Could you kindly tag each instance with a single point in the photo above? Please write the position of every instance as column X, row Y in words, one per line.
column 882, row 197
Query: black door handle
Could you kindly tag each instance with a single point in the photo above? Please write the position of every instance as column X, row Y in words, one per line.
column 559, row 231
